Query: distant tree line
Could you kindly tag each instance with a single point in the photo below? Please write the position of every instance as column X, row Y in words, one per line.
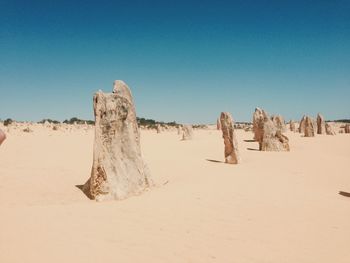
column 151, row 123
column 76, row 120
column 49, row 120
column 199, row 126
column 343, row 120
column 8, row 121
column 140, row 121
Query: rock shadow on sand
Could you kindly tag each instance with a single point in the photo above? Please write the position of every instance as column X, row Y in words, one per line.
column 81, row 188
column 214, row 161
column 346, row 194
column 252, row 149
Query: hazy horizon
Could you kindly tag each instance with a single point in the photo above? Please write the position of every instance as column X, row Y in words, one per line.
column 184, row 61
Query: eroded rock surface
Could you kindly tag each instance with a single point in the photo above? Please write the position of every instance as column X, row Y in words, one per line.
column 321, row 124
column 309, row 127
column 258, row 125
column 279, row 122
column 347, row 128
column 230, row 140
column 118, row 169
column 218, row 124
column 329, row 129
column 302, row 124
column 273, row 139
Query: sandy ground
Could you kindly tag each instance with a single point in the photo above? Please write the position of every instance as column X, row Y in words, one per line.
column 274, row 207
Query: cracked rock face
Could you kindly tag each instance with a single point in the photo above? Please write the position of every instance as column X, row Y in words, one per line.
column 268, row 132
column 302, row 124
column 258, row 125
column 230, row 140
column 279, row 123
column 329, row 129
column 273, row 139
column 321, row 124
column 309, row 127
column 118, row 170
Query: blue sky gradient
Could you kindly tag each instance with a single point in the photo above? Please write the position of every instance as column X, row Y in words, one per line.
column 184, row 60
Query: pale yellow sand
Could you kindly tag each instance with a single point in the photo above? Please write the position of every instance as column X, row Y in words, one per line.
column 274, row 207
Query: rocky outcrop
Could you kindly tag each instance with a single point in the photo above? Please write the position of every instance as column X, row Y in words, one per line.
column 218, row 124
column 279, row 122
column 302, row 124
column 118, row 169
column 2, row 136
column 329, row 129
column 347, row 128
column 292, row 126
column 258, row 125
column 273, row 139
column 230, row 140
column 228, row 134
column 321, row 124
column 309, row 127
column 268, row 132
column 187, row 132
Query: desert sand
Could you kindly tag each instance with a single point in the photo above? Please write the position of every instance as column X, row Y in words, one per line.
column 272, row 207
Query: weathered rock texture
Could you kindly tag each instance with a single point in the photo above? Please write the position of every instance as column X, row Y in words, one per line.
column 302, row 124
column 258, row 125
column 329, row 129
column 230, row 140
column 2, row 136
column 321, row 124
column 218, row 124
column 273, row 139
column 187, row 132
column 292, row 126
column 279, row 122
column 347, row 128
column 314, row 121
column 268, row 132
column 118, row 169
column 309, row 129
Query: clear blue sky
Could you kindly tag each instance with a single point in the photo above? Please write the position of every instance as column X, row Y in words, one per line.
column 184, row 60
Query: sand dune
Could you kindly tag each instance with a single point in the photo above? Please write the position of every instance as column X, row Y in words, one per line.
column 273, row 207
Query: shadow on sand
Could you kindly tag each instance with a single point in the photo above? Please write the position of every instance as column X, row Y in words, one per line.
column 214, row 161
column 252, row 149
column 344, row 193
column 81, row 188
